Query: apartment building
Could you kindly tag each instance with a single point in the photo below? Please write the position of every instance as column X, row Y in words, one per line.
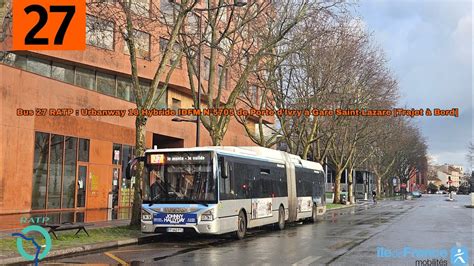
column 446, row 171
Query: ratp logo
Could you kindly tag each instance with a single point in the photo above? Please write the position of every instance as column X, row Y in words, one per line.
column 459, row 256
column 38, row 254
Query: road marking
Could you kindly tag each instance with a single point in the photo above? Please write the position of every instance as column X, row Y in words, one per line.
column 136, row 250
column 119, row 260
column 306, row 261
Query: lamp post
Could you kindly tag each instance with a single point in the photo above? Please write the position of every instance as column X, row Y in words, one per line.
column 237, row 3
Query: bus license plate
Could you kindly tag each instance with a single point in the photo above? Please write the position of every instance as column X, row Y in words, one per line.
column 174, row 230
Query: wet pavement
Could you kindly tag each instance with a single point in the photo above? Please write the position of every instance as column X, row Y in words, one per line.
column 348, row 236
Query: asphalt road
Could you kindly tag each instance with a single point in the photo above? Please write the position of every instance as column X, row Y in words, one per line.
column 352, row 236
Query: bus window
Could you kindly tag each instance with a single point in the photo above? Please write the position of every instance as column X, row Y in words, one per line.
column 225, row 183
column 304, row 182
column 157, row 189
column 240, row 183
column 180, row 178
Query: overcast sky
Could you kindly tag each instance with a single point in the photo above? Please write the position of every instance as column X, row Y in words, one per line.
column 429, row 47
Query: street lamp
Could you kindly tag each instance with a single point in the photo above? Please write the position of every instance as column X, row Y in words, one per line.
column 181, row 119
column 237, row 3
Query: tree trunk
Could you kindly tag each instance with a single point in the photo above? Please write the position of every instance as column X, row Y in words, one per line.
column 378, row 181
column 140, row 132
column 350, row 189
column 304, row 155
column 337, row 186
column 216, row 139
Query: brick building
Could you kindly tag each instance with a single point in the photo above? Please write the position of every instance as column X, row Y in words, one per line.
column 59, row 164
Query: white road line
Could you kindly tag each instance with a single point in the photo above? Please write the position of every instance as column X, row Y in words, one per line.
column 306, row 261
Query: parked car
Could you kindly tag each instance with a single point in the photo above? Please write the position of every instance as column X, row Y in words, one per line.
column 416, row 194
column 464, row 190
column 439, row 192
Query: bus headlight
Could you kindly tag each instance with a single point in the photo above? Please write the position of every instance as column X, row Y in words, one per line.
column 207, row 215
column 146, row 216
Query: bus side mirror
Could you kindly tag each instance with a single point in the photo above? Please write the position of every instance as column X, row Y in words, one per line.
column 224, row 169
column 131, row 165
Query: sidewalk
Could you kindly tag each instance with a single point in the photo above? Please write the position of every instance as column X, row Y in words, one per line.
column 103, row 235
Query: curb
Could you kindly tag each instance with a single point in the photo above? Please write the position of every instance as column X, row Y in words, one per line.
column 341, row 207
column 85, row 248
column 349, row 206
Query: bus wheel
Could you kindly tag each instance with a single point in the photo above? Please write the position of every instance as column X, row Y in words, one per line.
column 281, row 218
column 241, row 226
column 314, row 216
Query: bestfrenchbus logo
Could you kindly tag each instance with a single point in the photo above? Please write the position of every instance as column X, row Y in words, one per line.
column 458, row 256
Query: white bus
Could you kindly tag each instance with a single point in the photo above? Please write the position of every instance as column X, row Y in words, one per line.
column 218, row 190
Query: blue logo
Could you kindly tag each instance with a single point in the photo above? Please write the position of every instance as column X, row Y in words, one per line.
column 459, row 256
column 38, row 254
column 175, row 218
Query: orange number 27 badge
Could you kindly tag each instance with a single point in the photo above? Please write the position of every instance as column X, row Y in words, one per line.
column 49, row 25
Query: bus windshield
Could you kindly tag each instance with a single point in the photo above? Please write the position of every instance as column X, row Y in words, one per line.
column 184, row 177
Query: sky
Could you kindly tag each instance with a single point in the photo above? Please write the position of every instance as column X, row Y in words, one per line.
column 429, row 47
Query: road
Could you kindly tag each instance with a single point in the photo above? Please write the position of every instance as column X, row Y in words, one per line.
column 344, row 237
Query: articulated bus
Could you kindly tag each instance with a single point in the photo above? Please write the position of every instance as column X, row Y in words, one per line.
column 218, row 190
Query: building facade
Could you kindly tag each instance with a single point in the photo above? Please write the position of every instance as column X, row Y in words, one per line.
column 55, row 161
column 446, row 171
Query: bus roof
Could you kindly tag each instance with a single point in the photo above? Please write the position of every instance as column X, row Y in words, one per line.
column 250, row 151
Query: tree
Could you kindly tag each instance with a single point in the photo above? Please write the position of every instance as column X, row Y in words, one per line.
column 385, row 151
column 412, row 153
column 365, row 83
column 5, row 20
column 131, row 19
column 241, row 40
column 293, row 79
column 470, row 154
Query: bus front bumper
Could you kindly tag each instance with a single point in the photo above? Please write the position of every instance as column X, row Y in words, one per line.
column 203, row 227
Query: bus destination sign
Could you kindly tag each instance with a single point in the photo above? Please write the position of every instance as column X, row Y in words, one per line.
column 178, row 158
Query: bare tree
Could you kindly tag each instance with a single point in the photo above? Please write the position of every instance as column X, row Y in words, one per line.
column 284, row 82
column 240, row 40
column 297, row 78
column 470, row 154
column 366, row 84
column 412, row 153
column 159, row 19
column 384, row 152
